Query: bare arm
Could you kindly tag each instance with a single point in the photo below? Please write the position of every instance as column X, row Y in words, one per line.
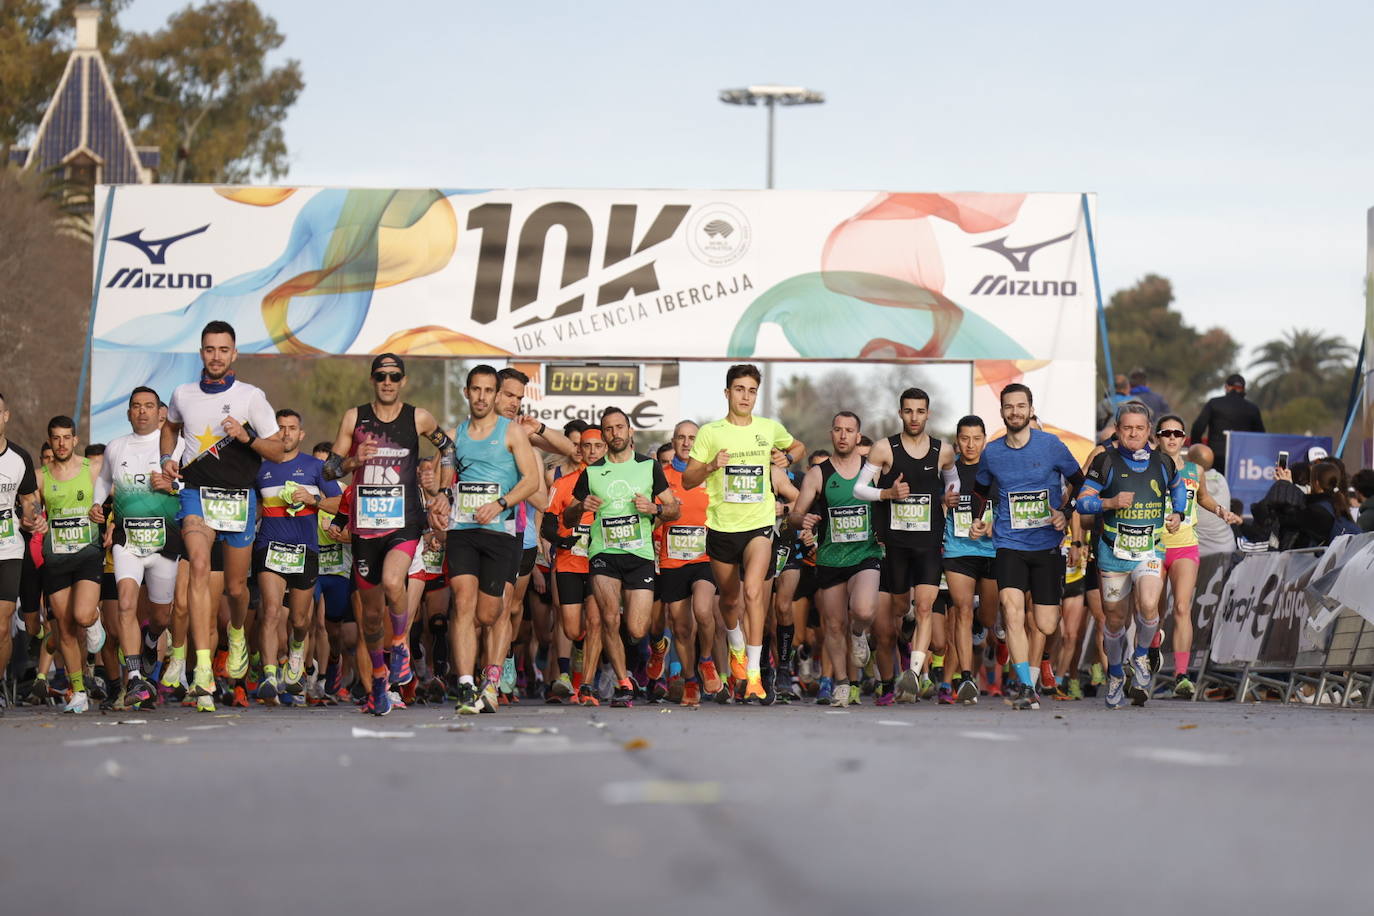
column 167, row 443
column 811, row 485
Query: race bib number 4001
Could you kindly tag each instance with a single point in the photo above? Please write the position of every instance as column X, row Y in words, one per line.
column 849, row 524
column 225, row 510
column 686, row 542
column 622, row 532
column 912, row 513
column 380, row 507
column 1134, row 543
column 9, row 530
column 69, row 535
column 144, row 537
column 1030, row 509
column 744, row 483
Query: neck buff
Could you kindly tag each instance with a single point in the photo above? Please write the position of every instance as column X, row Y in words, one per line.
column 679, row 465
column 214, row 386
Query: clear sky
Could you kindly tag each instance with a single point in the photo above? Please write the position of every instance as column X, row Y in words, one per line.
column 1230, row 143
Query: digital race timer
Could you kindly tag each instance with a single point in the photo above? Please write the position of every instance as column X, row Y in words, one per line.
column 576, row 379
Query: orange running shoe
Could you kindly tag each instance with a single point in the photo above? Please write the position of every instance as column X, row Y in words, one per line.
column 1003, row 655
column 585, row 697
column 710, row 677
column 1047, row 681
column 221, row 664
column 754, row 689
column 739, row 664
column 691, row 694
column 240, row 697
column 658, row 652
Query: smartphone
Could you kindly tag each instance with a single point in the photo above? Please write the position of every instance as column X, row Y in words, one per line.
column 1283, row 461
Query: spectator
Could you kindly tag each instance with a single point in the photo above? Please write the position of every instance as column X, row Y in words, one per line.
column 1214, row 536
column 1140, row 391
column 1297, row 520
column 1230, row 411
column 1363, row 482
column 1106, row 408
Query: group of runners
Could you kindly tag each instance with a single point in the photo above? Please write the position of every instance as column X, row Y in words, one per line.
column 206, row 557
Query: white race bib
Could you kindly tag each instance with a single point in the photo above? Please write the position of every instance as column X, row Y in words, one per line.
column 224, row 510
column 1030, row 509
column 144, row 537
column 287, row 559
column 381, row 507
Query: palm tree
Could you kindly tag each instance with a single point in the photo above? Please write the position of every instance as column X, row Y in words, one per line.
column 1303, row 363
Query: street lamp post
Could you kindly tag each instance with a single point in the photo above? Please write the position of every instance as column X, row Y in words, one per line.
column 771, row 96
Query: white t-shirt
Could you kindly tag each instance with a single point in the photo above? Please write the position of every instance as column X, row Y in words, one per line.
column 1214, row 535
column 17, row 478
column 214, row 458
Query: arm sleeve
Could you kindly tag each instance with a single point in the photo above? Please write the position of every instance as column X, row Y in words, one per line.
column 580, row 489
column 950, row 476
column 1179, row 491
column 327, row 487
column 863, row 484
column 1090, row 489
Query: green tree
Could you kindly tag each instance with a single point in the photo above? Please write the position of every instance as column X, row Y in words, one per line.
column 1183, row 363
column 1301, row 364
column 201, row 90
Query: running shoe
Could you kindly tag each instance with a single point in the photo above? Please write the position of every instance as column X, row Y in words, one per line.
column 77, row 703
column 855, row 695
column 204, row 684
column 38, row 691
column 561, row 688
column 293, row 682
column 240, row 698
column 113, row 701
column 753, row 689
column 925, row 688
column 885, row 699
column 1003, row 653
column 840, row 695
column 858, row 649
column 710, row 678
column 397, row 701
column 136, row 690
column 586, row 696
column 1096, row 676
column 1075, row 689
column 398, row 666
column 1047, row 678
column 1183, row 688
column 95, row 638
column 468, row 702
column 406, row 694
column 826, row 692
column 945, row 696
column 968, row 692
column 267, row 689
column 333, row 678
column 205, row 703
column 1116, row 691
column 236, row 663
column 657, row 653
column 691, row 694
column 624, row 695
column 1156, row 656
column 676, row 687
column 658, row 689
column 380, row 699
column 96, row 686
column 173, row 673
column 1024, row 698
column 739, row 664
column 1142, row 679
column 436, row 691
column 506, row 681
column 491, row 697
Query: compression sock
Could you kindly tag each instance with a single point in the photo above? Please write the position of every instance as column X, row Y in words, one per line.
column 918, row 660
column 398, row 627
column 378, row 660
column 754, row 653
column 1181, row 664
column 1115, row 644
column 785, row 636
column 735, row 638
column 1023, row 673
column 1145, row 631
column 78, row 680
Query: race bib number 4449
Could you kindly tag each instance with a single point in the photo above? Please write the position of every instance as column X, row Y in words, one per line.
column 1030, row 509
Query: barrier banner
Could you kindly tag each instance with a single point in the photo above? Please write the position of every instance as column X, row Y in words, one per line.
column 1002, row 281
column 1252, row 457
column 1353, row 587
column 1211, row 582
column 1246, row 605
column 1286, row 605
column 1322, row 608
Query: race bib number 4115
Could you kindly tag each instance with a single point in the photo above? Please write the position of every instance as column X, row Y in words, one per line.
column 744, row 483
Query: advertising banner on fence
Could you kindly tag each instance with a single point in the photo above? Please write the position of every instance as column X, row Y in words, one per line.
column 1003, row 281
column 1263, row 609
column 1252, row 457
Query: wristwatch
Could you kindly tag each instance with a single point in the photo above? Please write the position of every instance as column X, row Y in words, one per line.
column 501, row 501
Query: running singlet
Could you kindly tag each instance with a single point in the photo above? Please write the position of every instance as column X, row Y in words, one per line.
column 211, row 457
column 683, row 542
column 741, row 493
column 336, row 557
column 845, row 535
column 144, row 520
column 486, row 470
column 284, row 522
column 1030, row 483
column 386, row 489
column 919, row 520
column 959, row 541
column 1131, row 535
column 68, row 503
column 16, row 479
column 619, row 527
column 569, row 559
column 1186, row 535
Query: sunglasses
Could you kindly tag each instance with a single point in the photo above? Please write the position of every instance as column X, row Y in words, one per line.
column 1170, row 434
column 387, row 376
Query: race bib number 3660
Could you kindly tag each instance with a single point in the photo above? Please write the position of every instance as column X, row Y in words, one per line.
column 225, row 510
column 381, row 507
column 849, row 524
column 1030, row 509
column 744, row 483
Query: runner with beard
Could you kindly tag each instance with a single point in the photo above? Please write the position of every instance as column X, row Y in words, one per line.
column 379, row 444
column 1027, row 468
column 848, row 555
column 18, row 514
column 579, row 615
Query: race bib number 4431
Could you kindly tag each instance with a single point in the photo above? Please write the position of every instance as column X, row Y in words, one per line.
column 1030, row 509
column 225, row 510
column 744, row 483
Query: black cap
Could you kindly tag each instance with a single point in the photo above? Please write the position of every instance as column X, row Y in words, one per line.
column 381, row 359
column 1235, row 380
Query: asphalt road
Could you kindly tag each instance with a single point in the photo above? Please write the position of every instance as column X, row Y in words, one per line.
column 1178, row 807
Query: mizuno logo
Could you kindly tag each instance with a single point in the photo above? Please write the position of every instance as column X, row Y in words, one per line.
column 1002, row 285
column 1020, row 257
column 156, row 249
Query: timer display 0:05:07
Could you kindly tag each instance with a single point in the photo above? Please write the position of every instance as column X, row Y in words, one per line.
column 592, row 380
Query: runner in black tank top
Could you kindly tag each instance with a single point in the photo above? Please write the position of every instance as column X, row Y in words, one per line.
column 395, row 464
column 915, row 476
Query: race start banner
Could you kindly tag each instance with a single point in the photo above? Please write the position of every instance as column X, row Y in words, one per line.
column 1252, row 457
column 1001, row 281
